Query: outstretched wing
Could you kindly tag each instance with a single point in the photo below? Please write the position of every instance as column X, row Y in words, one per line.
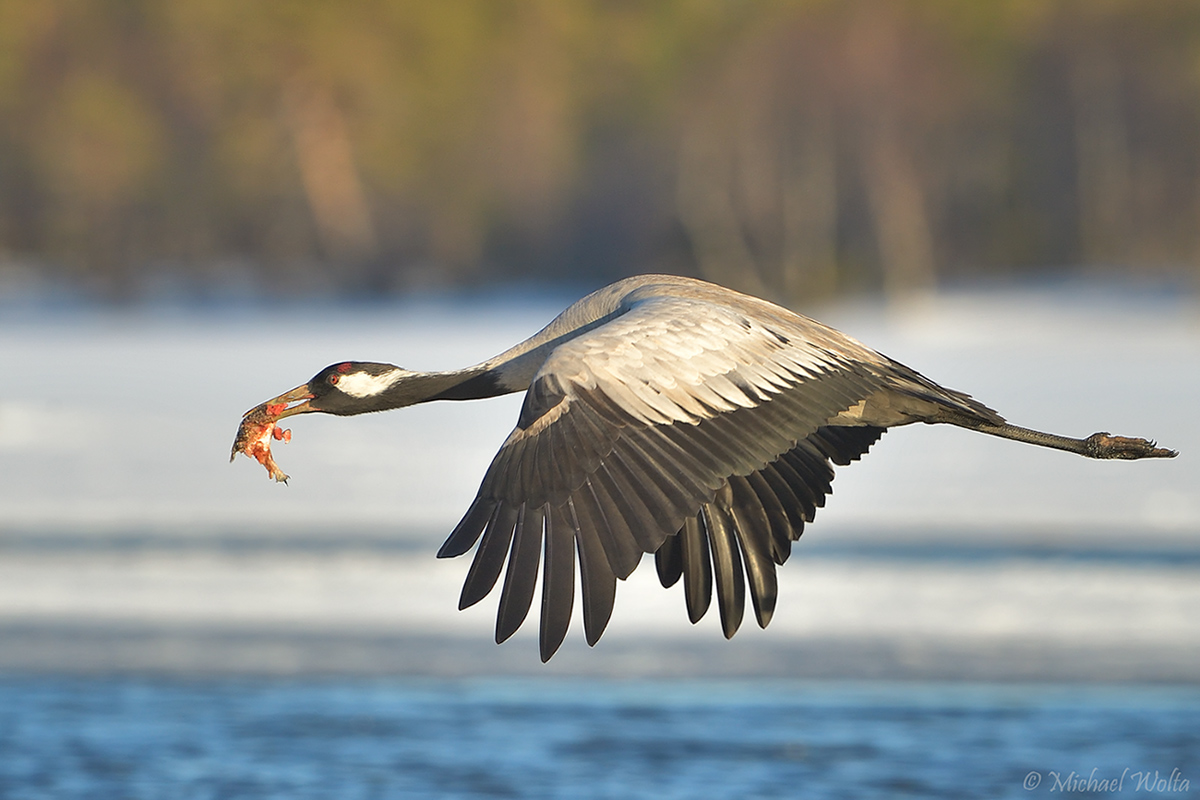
column 752, row 522
column 680, row 416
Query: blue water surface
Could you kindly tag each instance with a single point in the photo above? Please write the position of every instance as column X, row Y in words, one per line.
column 516, row 738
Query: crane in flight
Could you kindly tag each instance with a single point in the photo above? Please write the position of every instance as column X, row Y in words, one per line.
column 662, row 415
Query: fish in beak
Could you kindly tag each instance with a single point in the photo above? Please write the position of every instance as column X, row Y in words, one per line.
column 258, row 428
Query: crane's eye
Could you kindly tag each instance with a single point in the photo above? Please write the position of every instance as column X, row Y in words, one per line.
column 333, row 379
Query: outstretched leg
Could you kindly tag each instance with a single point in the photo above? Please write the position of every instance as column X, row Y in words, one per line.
column 1098, row 445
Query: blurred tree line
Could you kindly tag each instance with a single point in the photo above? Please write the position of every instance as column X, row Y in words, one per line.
column 791, row 148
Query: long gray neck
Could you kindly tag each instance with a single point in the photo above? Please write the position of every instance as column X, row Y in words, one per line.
column 515, row 368
column 511, row 371
column 412, row 388
column 387, row 386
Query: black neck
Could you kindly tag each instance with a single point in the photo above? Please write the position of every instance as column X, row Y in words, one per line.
column 473, row 386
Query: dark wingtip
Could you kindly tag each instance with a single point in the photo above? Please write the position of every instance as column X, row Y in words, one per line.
column 509, row 620
column 597, row 610
column 475, row 589
column 668, row 561
column 592, row 635
column 549, row 646
column 468, row 530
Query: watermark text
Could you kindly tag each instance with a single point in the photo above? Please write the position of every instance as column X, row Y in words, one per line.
column 1129, row 779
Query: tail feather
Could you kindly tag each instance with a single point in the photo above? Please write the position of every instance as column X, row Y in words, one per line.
column 953, row 405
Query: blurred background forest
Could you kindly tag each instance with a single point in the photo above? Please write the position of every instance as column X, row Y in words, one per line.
column 797, row 149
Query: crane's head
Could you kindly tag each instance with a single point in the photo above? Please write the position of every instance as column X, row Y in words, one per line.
column 349, row 387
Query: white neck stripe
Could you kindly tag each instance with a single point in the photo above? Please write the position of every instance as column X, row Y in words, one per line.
column 363, row 384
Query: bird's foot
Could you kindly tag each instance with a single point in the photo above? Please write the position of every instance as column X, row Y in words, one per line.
column 1105, row 445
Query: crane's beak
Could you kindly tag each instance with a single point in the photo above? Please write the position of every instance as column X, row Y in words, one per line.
column 280, row 407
